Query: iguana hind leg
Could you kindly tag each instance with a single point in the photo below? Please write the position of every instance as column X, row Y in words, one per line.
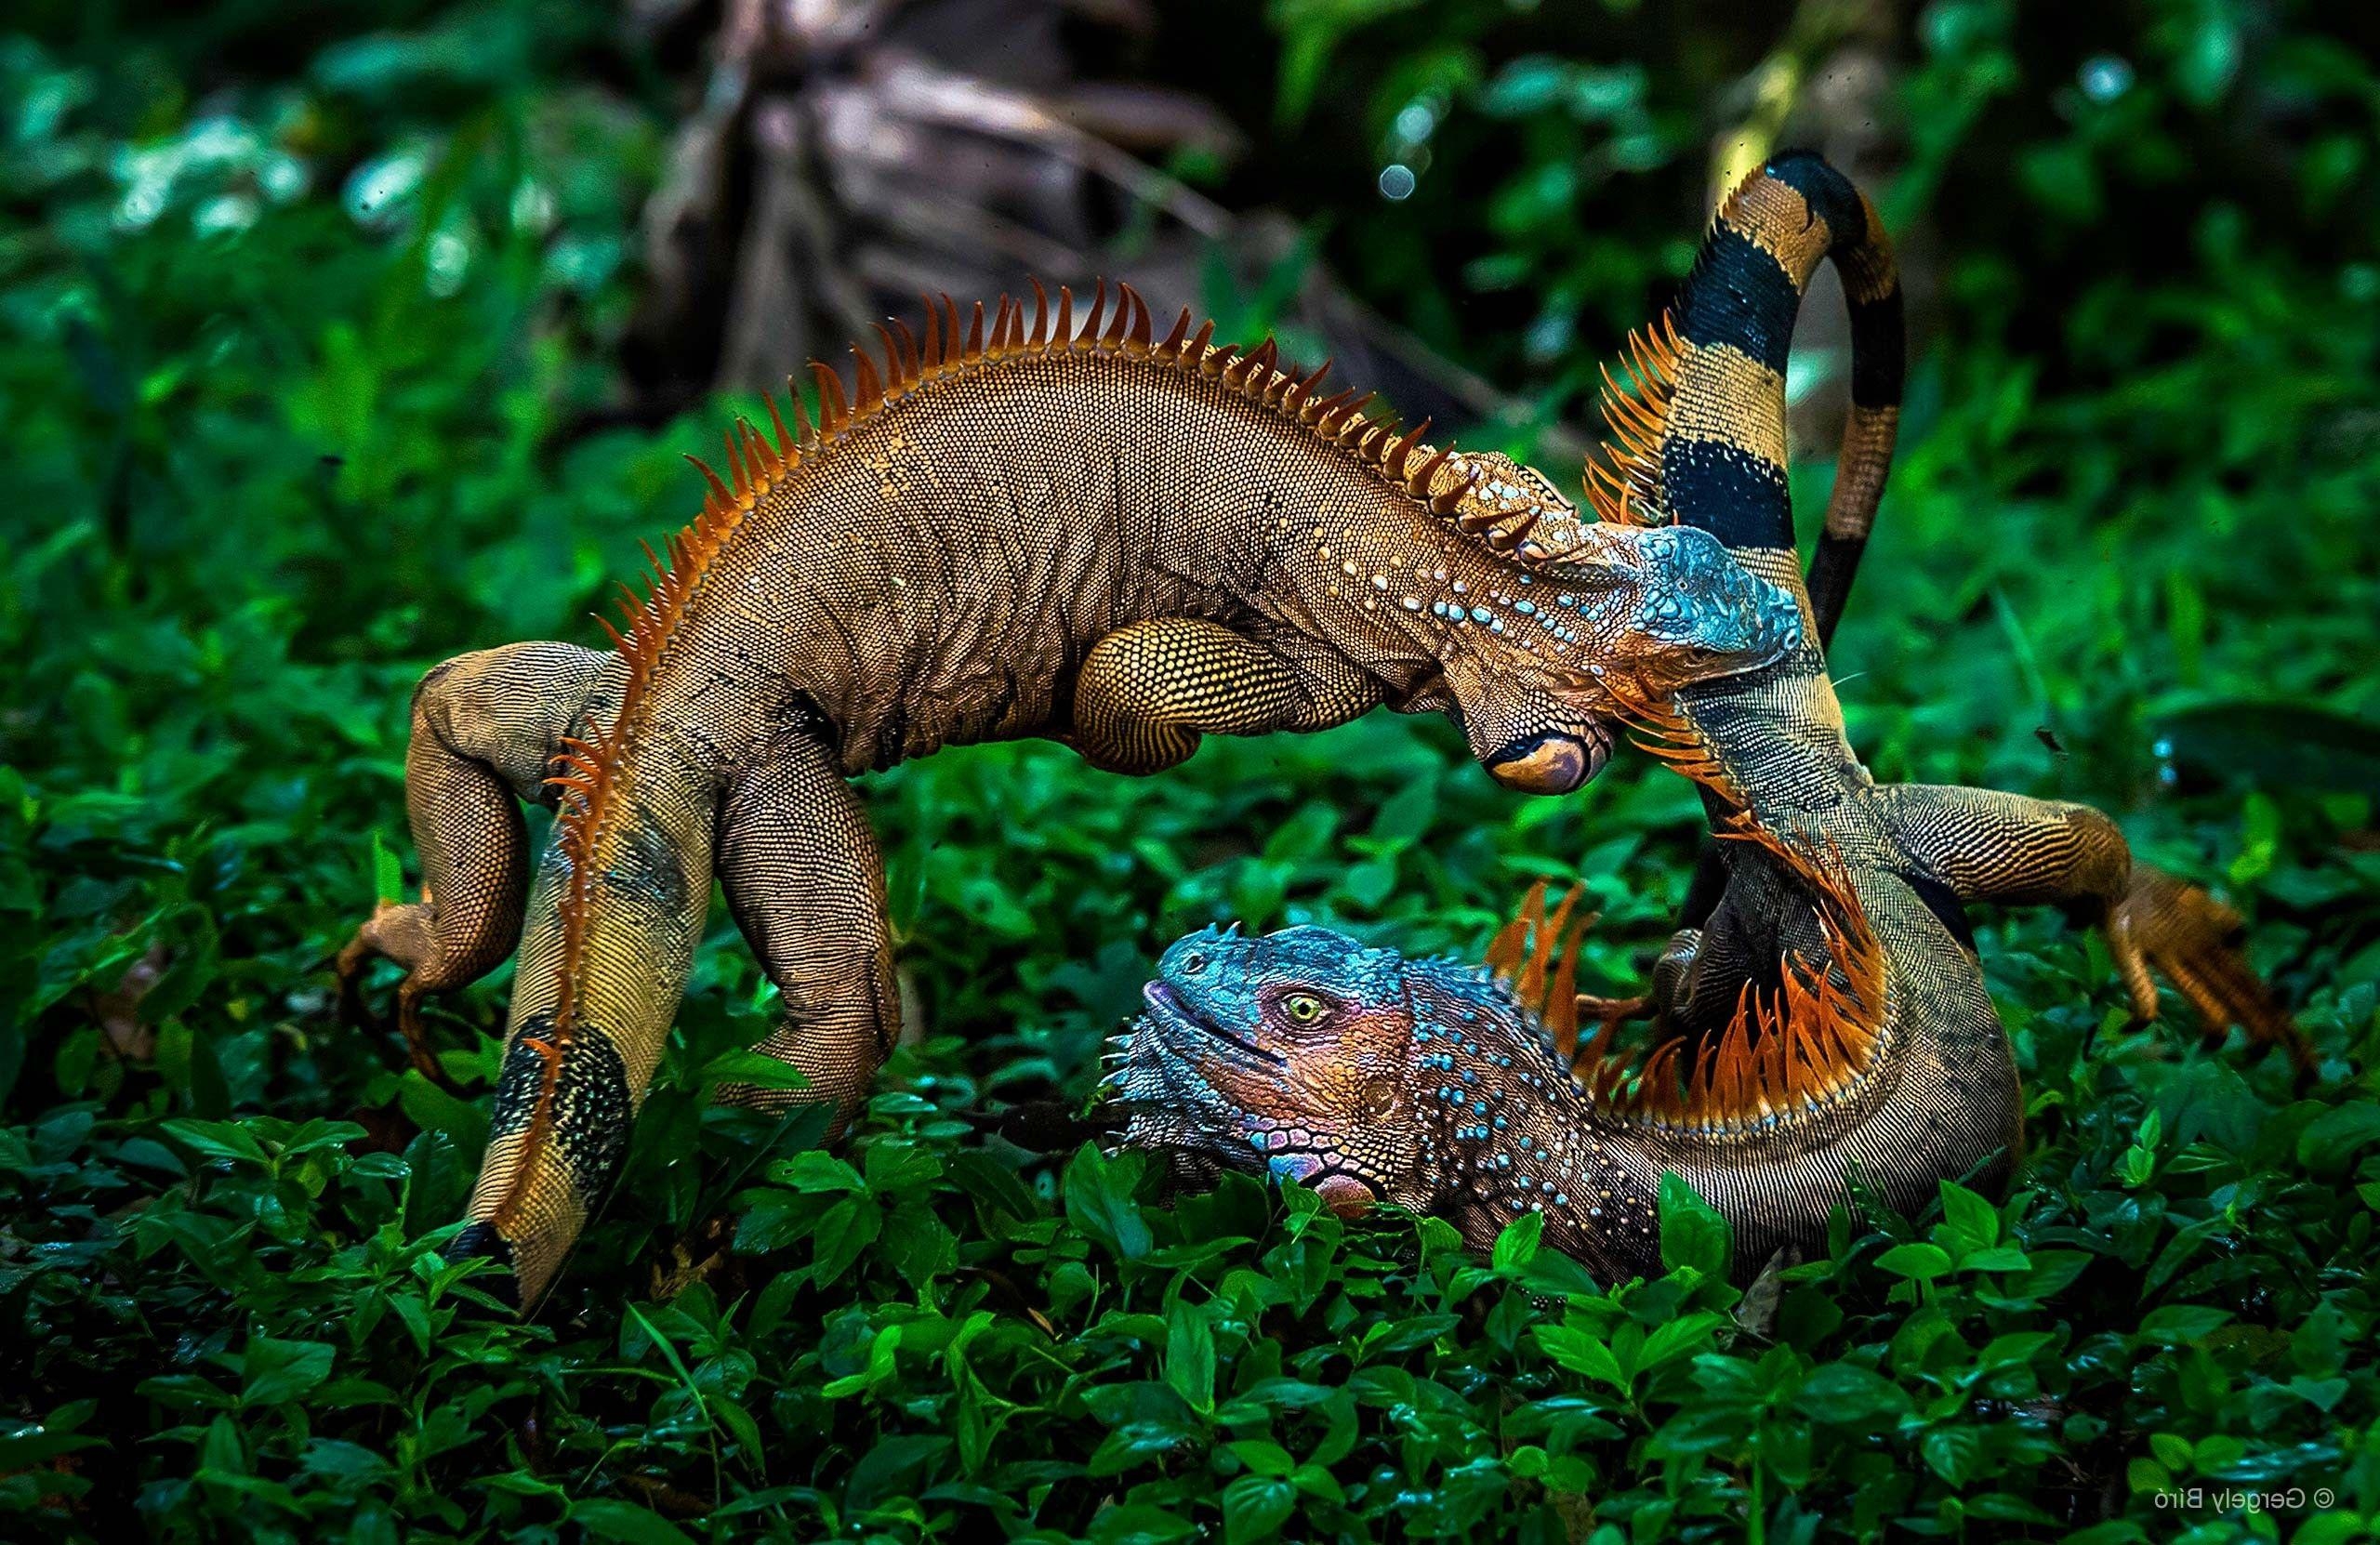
column 806, row 885
column 1986, row 846
column 1995, row 847
column 485, row 728
column 1149, row 690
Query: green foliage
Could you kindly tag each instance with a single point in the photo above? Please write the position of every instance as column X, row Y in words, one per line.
column 300, row 362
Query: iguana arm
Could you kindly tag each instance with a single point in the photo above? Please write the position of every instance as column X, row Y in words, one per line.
column 799, row 868
column 1148, row 690
column 1986, row 846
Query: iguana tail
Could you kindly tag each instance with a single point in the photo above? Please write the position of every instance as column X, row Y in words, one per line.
column 1700, row 431
column 618, row 908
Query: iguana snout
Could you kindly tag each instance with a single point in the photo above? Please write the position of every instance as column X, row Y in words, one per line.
column 1697, row 614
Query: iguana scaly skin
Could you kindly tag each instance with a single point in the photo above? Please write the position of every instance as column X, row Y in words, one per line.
column 1824, row 1017
column 1029, row 528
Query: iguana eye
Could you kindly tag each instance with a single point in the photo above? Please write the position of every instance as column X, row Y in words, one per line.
column 1303, row 1007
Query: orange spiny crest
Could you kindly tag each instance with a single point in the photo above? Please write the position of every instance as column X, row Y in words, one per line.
column 1399, row 451
column 931, row 361
column 1176, row 340
column 1537, row 956
column 1787, row 1049
column 1782, row 1051
column 869, row 391
column 1426, row 478
column 1120, row 329
column 900, row 355
column 1447, row 500
column 1661, row 729
column 1136, row 335
column 832, row 414
column 1628, row 490
column 1318, row 415
column 1294, row 399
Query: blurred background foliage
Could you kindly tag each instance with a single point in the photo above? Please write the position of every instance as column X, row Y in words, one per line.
column 334, row 340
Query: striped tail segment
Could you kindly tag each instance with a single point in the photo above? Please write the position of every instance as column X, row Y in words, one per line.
column 1698, row 430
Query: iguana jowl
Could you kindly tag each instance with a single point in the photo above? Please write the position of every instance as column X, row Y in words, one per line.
column 1029, row 528
column 1823, row 1014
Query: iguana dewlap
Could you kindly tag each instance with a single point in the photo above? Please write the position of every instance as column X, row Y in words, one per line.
column 1024, row 526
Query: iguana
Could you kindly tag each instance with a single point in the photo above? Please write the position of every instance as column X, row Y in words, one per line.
column 1823, row 1014
column 1027, row 527
column 1462, row 1091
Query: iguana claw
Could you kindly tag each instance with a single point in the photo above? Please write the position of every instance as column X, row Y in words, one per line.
column 399, row 932
column 2189, row 938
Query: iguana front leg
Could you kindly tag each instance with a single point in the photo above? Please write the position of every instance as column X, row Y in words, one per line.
column 1149, row 690
column 806, row 885
column 486, row 726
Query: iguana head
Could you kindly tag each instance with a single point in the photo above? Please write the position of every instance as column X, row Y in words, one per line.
column 1544, row 652
column 1629, row 614
column 1365, row 1075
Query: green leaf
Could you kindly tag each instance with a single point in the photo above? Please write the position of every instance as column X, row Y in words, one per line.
column 1970, row 1214
column 1694, row 1234
column 1263, row 1456
column 754, row 1069
column 1847, row 1394
column 844, row 1231
column 2329, row 1140
column 1953, row 1453
column 1255, row 1507
column 1516, row 1246
column 607, row 1518
column 387, row 871
column 228, row 1141
column 1582, row 1352
column 1676, row 1338
column 272, row 1371
column 1190, row 1355
column 1100, row 1201
column 814, row 1172
column 1924, row 1262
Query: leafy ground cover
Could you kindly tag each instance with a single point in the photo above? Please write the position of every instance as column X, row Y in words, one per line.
column 294, row 356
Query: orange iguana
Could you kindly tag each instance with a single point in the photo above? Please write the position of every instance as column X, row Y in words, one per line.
column 1822, row 1013
column 1026, row 527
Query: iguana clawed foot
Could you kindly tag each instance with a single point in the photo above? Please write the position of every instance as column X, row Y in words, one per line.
column 402, row 931
column 2191, row 939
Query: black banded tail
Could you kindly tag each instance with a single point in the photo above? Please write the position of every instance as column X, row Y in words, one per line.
column 1701, row 432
